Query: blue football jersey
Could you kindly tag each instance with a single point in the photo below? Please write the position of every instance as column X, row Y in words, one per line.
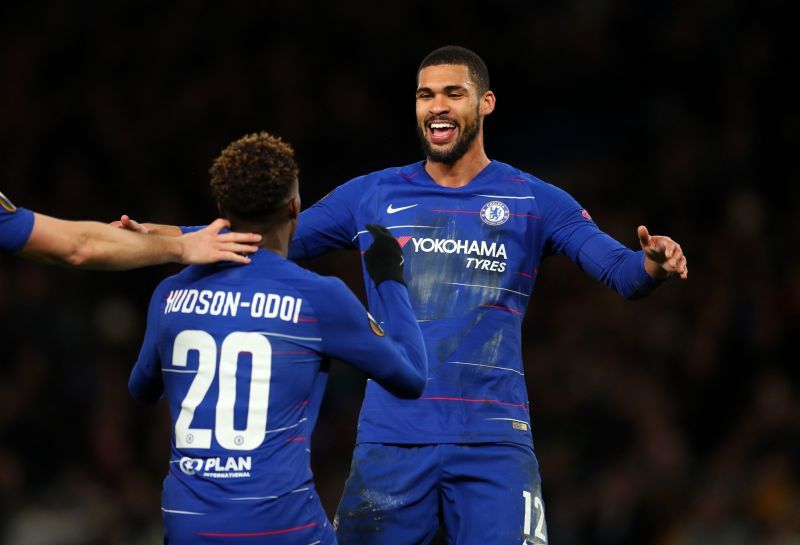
column 472, row 255
column 16, row 225
column 240, row 353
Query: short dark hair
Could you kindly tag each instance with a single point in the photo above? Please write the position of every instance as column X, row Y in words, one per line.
column 253, row 176
column 454, row 54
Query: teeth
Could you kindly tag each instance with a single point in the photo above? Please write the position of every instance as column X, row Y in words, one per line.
column 442, row 126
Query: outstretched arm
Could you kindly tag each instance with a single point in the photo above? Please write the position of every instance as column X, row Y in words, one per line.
column 328, row 225
column 631, row 274
column 572, row 232
column 94, row 245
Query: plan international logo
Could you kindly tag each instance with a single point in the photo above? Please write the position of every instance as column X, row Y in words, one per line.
column 217, row 468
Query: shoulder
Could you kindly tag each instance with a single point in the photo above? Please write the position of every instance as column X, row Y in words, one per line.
column 329, row 296
column 390, row 174
column 168, row 284
column 183, row 279
column 318, row 288
column 544, row 192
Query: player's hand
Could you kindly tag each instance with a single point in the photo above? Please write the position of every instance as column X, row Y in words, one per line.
column 125, row 222
column 384, row 258
column 209, row 246
column 663, row 256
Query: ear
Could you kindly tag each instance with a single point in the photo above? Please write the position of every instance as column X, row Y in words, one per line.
column 487, row 103
column 294, row 208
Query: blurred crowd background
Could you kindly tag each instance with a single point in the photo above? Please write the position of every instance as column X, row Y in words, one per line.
column 669, row 421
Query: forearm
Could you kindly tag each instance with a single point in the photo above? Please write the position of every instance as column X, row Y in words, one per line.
column 94, row 245
column 617, row 266
column 400, row 324
column 104, row 250
column 163, row 230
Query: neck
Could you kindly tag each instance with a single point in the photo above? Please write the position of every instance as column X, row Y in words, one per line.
column 275, row 237
column 461, row 172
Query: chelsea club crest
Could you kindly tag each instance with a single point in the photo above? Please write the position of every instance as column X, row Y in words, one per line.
column 495, row 213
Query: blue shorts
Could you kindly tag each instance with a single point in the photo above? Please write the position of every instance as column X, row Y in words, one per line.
column 487, row 493
column 293, row 519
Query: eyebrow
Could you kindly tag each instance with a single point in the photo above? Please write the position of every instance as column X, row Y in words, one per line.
column 447, row 89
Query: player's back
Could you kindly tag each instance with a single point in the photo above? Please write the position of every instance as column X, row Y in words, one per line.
column 240, row 359
column 238, row 352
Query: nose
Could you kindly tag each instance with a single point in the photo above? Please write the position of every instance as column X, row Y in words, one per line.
column 439, row 105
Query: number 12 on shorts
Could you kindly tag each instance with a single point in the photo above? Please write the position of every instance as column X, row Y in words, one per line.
column 534, row 509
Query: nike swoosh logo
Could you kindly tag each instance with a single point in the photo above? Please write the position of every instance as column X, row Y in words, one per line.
column 392, row 210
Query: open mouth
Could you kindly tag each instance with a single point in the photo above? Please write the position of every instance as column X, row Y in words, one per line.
column 441, row 132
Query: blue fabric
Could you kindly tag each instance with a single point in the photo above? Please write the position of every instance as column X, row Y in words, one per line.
column 240, row 353
column 472, row 257
column 400, row 494
column 16, row 225
column 294, row 519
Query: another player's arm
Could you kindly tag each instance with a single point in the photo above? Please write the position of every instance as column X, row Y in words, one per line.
column 146, row 384
column 94, row 245
column 327, row 225
column 129, row 224
column 394, row 355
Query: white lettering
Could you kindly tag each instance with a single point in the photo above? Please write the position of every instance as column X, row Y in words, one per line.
column 257, row 306
column 204, row 302
column 189, row 302
column 287, row 309
column 297, row 311
column 273, row 305
column 231, row 304
column 217, row 302
column 452, row 246
column 226, row 303
column 176, row 304
column 230, row 465
column 170, row 301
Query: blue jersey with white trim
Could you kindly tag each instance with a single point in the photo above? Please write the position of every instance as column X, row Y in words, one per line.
column 16, row 225
column 472, row 255
column 240, row 353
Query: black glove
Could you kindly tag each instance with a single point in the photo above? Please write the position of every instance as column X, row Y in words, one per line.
column 384, row 258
